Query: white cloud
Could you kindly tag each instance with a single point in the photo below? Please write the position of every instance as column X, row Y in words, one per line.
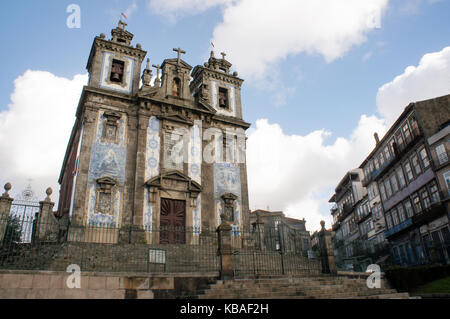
column 289, row 172
column 35, row 130
column 131, row 9
column 257, row 34
column 431, row 78
column 298, row 171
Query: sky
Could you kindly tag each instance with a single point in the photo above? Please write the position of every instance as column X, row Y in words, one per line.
column 321, row 76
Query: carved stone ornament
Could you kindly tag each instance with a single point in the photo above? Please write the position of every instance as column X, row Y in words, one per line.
column 173, row 180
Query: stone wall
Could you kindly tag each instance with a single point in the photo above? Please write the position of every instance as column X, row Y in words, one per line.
column 53, row 285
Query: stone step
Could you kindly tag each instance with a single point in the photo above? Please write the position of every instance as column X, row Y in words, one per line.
column 304, row 285
column 292, row 291
column 296, row 287
column 346, row 294
column 349, row 295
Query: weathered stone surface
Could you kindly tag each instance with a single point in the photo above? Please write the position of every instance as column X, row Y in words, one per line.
column 176, row 102
column 97, row 283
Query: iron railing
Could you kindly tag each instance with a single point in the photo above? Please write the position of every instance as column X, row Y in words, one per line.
column 272, row 251
column 107, row 249
column 56, row 244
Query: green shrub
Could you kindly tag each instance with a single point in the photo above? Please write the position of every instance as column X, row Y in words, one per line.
column 406, row 279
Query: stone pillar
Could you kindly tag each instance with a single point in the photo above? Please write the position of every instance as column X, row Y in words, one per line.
column 5, row 207
column 224, row 249
column 326, row 251
column 259, row 225
column 47, row 224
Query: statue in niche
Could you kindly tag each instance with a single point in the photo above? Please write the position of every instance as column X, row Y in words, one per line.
column 176, row 87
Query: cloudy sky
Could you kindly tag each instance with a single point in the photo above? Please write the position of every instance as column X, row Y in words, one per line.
column 321, row 76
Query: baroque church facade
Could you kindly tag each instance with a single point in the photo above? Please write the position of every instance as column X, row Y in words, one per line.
column 149, row 153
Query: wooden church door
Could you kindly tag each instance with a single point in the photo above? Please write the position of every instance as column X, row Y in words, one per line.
column 172, row 221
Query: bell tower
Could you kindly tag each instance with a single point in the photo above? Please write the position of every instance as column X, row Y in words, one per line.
column 114, row 64
column 214, row 85
column 176, row 77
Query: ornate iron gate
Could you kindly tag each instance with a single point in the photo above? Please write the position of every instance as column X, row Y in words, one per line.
column 22, row 214
column 272, row 251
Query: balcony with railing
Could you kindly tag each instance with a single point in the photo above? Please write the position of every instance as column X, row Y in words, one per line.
column 399, row 151
column 346, row 210
column 431, row 213
column 363, row 217
column 427, row 215
column 367, row 180
column 397, row 228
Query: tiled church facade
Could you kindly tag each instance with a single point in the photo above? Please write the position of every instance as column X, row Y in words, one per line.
column 122, row 164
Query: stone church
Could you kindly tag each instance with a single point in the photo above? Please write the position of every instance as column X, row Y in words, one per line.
column 150, row 151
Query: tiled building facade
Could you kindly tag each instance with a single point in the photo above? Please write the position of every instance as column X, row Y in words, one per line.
column 165, row 153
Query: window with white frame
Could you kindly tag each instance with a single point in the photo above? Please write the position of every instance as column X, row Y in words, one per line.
column 382, row 191
column 434, row 193
column 441, row 154
column 446, row 176
column 408, row 171
column 424, row 158
column 401, row 177
column 401, row 213
column 173, row 151
column 417, row 203
column 394, row 183
column 395, row 220
column 425, row 198
column 388, row 188
column 406, row 132
column 408, row 208
column 416, row 164
column 388, row 220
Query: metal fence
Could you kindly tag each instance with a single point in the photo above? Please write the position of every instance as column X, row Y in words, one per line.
column 107, row 249
column 54, row 245
column 272, row 251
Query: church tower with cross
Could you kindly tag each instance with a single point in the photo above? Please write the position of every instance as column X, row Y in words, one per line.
column 155, row 152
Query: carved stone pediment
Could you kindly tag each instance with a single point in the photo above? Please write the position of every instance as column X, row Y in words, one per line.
column 149, row 91
column 106, row 181
column 174, row 180
column 229, row 198
column 175, row 63
column 178, row 118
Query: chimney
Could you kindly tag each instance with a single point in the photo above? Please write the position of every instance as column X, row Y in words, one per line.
column 377, row 139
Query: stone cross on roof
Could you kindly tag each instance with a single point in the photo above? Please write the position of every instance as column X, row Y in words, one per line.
column 179, row 54
column 223, row 54
column 158, row 68
column 122, row 24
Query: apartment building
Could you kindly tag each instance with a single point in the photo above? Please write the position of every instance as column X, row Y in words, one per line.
column 400, row 176
column 348, row 194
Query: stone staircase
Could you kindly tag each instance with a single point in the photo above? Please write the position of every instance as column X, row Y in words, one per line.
column 318, row 287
